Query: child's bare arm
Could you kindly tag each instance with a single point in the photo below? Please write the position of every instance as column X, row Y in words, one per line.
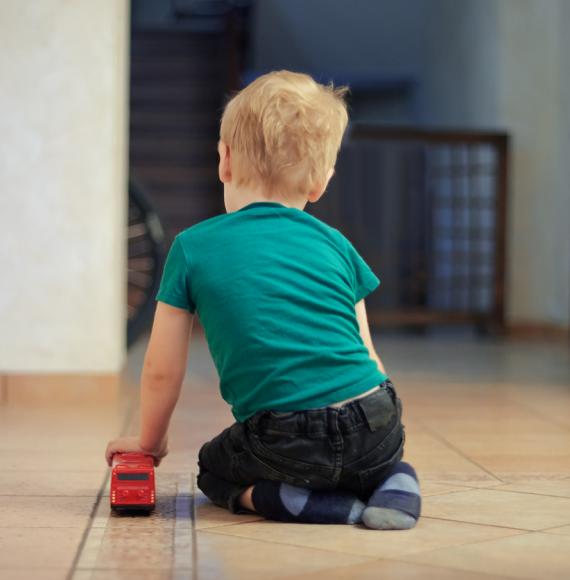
column 163, row 372
column 365, row 333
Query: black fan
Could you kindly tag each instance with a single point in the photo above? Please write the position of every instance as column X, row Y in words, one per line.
column 145, row 257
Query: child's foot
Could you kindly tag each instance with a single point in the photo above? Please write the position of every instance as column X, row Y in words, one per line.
column 396, row 503
column 286, row 503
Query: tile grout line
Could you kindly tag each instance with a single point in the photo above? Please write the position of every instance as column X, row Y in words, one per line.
column 526, row 492
column 227, row 525
column 461, row 545
column 400, row 557
column 464, row 490
column 483, row 575
column 553, row 528
column 540, row 414
column 184, row 536
column 282, row 543
column 194, row 536
column 86, row 556
column 443, row 440
column 439, row 519
column 92, row 537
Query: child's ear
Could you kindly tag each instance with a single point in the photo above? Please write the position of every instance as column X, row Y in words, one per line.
column 318, row 191
column 225, row 166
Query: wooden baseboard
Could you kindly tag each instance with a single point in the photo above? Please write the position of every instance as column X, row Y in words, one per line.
column 61, row 389
column 538, row 331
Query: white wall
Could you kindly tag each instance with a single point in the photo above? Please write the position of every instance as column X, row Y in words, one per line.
column 63, row 99
column 534, row 73
column 563, row 216
column 460, row 68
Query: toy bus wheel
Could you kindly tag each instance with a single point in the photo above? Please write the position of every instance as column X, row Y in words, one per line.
column 136, row 510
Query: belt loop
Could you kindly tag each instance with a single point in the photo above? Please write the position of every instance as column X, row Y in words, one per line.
column 390, row 387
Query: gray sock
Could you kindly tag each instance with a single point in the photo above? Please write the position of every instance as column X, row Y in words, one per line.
column 387, row 519
column 396, row 503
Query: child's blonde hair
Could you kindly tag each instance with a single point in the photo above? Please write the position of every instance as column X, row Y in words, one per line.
column 284, row 131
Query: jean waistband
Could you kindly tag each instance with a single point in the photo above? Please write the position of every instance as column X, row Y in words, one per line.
column 350, row 416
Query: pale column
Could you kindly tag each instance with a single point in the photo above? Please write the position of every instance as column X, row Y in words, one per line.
column 63, row 128
column 534, row 76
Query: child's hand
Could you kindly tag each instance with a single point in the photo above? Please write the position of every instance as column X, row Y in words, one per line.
column 132, row 445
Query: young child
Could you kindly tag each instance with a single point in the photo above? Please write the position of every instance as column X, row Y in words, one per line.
column 318, row 435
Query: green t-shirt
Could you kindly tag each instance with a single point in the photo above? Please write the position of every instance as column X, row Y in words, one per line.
column 275, row 290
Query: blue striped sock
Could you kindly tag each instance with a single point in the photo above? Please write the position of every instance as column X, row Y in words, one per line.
column 396, row 502
column 286, row 503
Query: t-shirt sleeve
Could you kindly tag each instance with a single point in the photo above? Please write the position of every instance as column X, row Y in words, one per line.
column 175, row 283
column 364, row 279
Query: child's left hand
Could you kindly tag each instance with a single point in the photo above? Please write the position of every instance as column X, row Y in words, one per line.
column 131, row 444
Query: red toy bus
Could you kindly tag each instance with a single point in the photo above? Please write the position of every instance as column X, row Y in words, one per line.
column 132, row 482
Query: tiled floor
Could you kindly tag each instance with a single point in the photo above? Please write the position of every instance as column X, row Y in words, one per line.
column 488, row 427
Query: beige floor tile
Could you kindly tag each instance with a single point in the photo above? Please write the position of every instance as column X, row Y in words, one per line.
column 209, row 515
column 428, row 535
column 563, row 531
column 38, row 548
column 533, row 555
column 53, row 483
column 500, row 508
column 136, row 547
column 429, row 488
column 43, row 428
column 555, row 407
column 237, row 558
column 392, row 570
column 553, row 487
column 552, row 466
column 110, row 574
column 34, row 574
column 459, row 408
column 46, row 511
column 463, row 479
column 522, row 476
column 473, row 422
column 59, row 459
column 517, row 438
column 436, row 461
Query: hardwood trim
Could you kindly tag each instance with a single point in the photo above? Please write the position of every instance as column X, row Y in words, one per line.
column 62, row 389
column 538, row 331
column 3, row 390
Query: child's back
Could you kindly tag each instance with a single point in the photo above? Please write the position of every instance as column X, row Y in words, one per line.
column 275, row 289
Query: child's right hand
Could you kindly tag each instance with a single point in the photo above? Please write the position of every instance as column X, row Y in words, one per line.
column 131, row 444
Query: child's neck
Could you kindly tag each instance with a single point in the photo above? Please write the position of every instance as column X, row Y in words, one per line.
column 242, row 198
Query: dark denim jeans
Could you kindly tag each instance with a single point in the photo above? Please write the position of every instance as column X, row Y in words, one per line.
column 352, row 447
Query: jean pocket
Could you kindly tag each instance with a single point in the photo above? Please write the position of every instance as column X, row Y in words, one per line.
column 379, row 409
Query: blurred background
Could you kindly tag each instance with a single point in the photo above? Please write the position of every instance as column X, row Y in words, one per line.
column 452, row 182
